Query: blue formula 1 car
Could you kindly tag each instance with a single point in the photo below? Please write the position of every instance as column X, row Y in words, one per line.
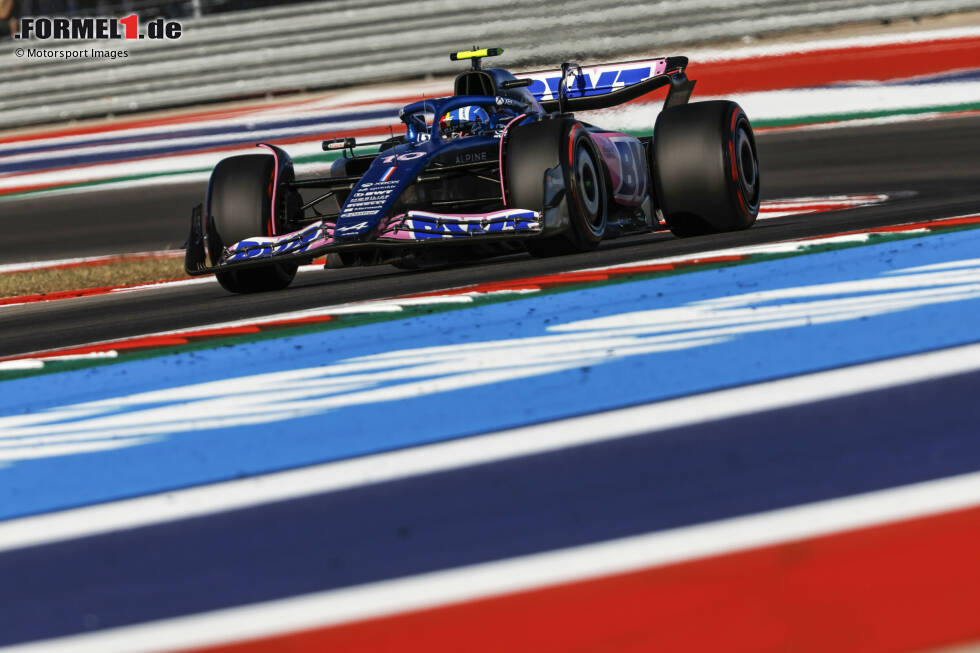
column 500, row 166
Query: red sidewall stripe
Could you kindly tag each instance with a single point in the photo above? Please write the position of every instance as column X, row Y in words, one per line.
column 900, row 587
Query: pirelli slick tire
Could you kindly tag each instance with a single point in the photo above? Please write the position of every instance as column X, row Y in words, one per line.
column 239, row 207
column 535, row 148
column 705, row 168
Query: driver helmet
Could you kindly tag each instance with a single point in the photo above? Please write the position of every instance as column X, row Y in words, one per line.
column 465, row 121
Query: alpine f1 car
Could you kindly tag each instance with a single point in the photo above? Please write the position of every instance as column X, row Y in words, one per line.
column 500, row 166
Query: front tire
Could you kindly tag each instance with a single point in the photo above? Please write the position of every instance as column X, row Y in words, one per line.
column 705, row 168
column 240, row 207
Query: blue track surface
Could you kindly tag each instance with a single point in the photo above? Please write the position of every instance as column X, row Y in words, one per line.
column 618, row 370
column 536, row 503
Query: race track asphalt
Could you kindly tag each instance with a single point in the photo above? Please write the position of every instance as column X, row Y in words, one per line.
column 930, row 168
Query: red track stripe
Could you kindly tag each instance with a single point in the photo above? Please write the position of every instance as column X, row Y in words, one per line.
column 901, row 587
column 195, row 116
column 120, row 125
column 570, row 278
column 947, row 222
column 171, row 340
column 882, row 62
column 144, row 342
column 822, row 67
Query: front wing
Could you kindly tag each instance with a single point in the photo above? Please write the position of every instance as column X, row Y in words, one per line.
column 412, row 229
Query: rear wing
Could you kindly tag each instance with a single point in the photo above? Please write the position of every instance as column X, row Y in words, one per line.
column 574, row 88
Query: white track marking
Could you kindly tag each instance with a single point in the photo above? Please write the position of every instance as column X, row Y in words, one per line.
column 529, row 572
column 92, row 260
column 787, row 246
column 844, row 43
column 414, row 372
column 948, row 265
column 551, row 436
column 170, row 284
column 17, row 365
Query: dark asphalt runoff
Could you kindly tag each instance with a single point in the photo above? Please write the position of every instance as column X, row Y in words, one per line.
column 930, row 168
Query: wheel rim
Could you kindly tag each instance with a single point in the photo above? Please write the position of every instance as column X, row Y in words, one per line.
column 747, row 165
column 590, row 191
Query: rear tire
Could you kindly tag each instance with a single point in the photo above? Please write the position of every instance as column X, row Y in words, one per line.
column 533, row 149
column 240, row 207
column 705, row 168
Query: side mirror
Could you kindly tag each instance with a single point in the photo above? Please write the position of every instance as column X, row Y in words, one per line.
column 342, row 143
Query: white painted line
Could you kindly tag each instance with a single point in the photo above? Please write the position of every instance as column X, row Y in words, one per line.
column 551, row 436
column 843, row 43
column 95, row 355
column 550, row 568
column 21, row 364
column 95, row 260
column 768, row 248
column 17, row 365
column 834, row 200
column 164, row 284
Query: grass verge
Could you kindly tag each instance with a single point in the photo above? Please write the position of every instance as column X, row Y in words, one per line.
column 79, row 277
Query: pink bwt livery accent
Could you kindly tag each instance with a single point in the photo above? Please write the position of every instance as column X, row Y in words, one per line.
column 275, row 185
column 424, row 225
column 500, row 156
column 309, row 237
